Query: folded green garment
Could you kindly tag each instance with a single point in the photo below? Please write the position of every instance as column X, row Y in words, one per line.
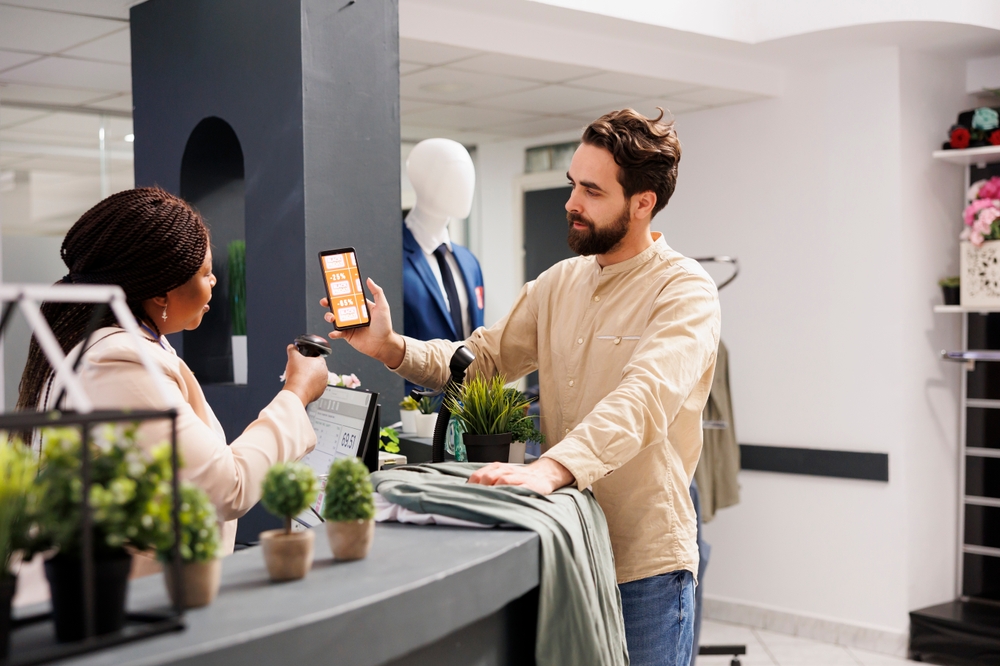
column 579, row 608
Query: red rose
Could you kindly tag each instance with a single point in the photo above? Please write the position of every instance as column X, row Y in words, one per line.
column 959, row 138
column 995, row 137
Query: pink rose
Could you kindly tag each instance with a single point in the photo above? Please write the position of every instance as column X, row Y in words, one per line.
column 990, row 189
column 976, row 238
column 969, row 215
column 351, row 380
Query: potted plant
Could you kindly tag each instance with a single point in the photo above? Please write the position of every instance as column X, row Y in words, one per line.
column 237, row 274
column 199, row 549
column 408, row 410
column 427, row 417
column 17, row 477
column 289, row 489
column 128, row 491
column 348, row 509
column 388, row 440
column 491, row 414
column 950, row 287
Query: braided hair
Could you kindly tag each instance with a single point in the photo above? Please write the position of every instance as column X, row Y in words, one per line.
column 145, row 240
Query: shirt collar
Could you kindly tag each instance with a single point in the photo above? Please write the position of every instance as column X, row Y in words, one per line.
column 658, row 246
column 428, row 242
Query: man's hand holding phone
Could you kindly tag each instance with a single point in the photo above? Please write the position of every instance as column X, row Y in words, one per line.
column 378, row 340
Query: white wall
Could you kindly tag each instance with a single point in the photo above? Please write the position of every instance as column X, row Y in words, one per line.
column 843, row 224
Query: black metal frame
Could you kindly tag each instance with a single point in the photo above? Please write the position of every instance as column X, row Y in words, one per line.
column 147, row 624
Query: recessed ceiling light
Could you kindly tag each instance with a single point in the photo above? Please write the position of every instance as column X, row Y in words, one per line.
column 130, row 137
column 445, row 87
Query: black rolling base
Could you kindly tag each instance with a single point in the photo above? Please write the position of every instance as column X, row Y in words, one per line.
column 734, row 650
column 958, row 633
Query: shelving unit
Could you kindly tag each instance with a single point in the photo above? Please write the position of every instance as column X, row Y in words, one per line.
column 970, row 156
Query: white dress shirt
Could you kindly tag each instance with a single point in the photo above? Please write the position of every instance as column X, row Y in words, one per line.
column 429, row 242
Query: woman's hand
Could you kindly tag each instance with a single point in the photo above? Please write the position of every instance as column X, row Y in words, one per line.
column 377, row 340
column 305, row 376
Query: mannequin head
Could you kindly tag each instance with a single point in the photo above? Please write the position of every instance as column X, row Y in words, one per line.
column 443, row 179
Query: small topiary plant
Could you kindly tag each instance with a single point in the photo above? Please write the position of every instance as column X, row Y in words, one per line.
column 289, row 489
column 348, row 492
column 200, row 540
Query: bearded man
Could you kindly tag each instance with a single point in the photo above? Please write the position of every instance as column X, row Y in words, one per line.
column 624, row 339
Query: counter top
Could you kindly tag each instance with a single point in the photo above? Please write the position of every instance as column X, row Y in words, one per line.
column 418, row 585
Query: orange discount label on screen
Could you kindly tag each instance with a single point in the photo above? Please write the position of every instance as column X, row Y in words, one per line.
column 344, row 289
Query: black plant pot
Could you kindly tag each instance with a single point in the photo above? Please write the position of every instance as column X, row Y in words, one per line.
column 65, row 574
column 951, row 295
column 487, row 448
column 7, row 586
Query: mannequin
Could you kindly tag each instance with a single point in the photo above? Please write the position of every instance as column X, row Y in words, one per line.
column 444, row 180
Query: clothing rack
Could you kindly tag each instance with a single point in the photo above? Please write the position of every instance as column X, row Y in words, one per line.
column 722, row 259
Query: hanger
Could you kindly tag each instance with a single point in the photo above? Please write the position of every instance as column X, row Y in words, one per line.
column 733, row 261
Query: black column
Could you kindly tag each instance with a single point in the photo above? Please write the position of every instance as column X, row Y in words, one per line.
column 311, row 90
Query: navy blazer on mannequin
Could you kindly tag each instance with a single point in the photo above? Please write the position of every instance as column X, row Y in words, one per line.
column 425, row 315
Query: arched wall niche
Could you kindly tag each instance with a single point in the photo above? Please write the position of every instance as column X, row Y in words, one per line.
column 212, row 179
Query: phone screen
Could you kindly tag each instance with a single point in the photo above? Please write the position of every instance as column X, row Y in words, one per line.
column 344, row 288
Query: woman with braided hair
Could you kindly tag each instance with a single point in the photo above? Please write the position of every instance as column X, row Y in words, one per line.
column 156, row 248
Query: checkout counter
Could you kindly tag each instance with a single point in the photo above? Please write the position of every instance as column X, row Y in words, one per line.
column 424, row 595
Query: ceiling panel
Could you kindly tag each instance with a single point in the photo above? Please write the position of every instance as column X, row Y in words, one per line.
column 523, row 68
column 10, row 59
column 430, row 53
column 408, row 106
column 45, row 94
column 556, row 99
column 57, row 71
column 639, row 86
column 106, row 8
column 715, row 96
column 116, row 47
column 465, row 118
column 48, row 32
column 539, row 127
column 443, row 85
column 647, row 107
column 115, row 103
column 10, row 116
column 410, row 67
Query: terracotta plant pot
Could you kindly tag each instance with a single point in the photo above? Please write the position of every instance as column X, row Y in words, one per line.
column 65, row 574
column 288, row 556
column 7, row 586
column 350, row 539
column 200, row 580
column 487, row 448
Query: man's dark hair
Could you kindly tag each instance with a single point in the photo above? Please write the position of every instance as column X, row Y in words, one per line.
column 646, row 151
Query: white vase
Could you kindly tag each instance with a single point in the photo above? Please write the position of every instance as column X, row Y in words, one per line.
column 425, row 424
column 408, row 417
column 239, row 359
column 980, row 274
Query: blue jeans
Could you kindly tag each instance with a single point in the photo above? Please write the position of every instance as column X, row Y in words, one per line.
column 659, row 619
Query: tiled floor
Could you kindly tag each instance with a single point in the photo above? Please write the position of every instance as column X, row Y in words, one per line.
column 766, row 648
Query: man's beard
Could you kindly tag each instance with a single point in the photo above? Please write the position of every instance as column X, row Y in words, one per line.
column 593, row 240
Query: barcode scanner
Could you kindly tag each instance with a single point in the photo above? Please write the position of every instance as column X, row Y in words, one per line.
column 312, row 345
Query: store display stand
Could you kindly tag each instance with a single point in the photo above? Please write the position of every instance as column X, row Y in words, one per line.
column 966, row 631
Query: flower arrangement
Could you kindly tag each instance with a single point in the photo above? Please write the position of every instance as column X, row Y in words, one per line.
column 130, row 489
column 348, row 381
column 982, row 213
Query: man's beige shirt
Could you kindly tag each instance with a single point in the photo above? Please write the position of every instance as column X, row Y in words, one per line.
column 625, row 358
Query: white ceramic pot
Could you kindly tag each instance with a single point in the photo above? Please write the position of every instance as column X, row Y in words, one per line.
column 425, row 424
column 409, row 419
column 516, row 453
column 980, row 274
column 239, row 359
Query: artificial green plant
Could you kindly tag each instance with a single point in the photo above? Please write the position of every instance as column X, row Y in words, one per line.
column 348, row 494
column 289, row 489
column 200, row 540
column 388, row 440
column 237, row 273
column 487, row 407
column 17, row 477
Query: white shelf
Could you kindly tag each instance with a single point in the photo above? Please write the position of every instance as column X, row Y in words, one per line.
column 957, row 309
column 983, row 155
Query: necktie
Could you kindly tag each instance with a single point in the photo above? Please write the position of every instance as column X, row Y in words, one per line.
column 450, row 290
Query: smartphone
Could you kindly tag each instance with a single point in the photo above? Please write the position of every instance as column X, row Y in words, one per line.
column 344, row 288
